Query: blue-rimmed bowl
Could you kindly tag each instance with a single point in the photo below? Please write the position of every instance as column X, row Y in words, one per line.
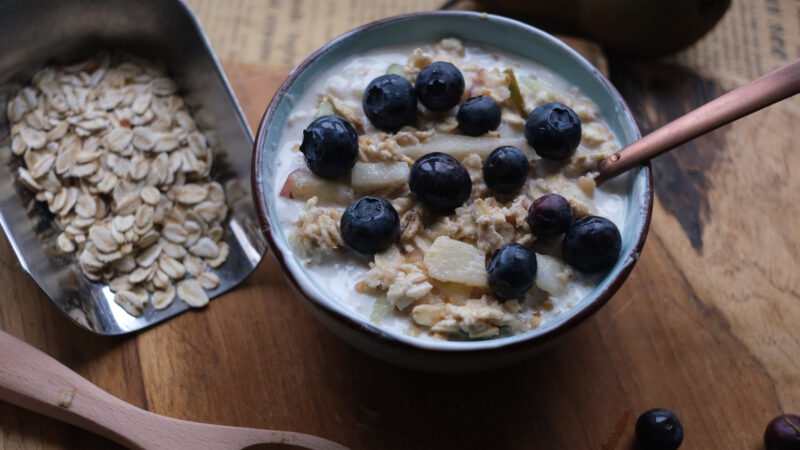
column 499, row 32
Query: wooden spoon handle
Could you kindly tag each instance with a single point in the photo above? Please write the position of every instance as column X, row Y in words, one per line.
column 764, row 91
column 35, row 381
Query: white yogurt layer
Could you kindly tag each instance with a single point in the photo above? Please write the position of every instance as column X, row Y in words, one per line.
column 338, row 271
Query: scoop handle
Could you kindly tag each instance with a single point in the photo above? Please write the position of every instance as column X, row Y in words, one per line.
column 35, row 381
column 759, row 93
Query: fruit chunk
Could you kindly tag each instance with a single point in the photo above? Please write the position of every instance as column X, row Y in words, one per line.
column 439, row 86
column 512, row 271
column 551, row 275
column 330, row 146
column 516, row 95
column 455, row 261
column 553, row 130
column 459, row 146
column 440, row 182
column 380, row 309
column 376, row 176
column 390, row 102
column 396, row 69
column 370, row 225
column 659, row 429
column 302, row 185
column 506, row 169
column 478, row 115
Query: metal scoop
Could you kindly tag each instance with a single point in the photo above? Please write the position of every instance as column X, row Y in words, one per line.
column 35, row 34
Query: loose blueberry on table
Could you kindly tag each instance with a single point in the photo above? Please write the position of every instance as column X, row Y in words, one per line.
column 553, row 130
column 506, row 170
column 783, row 433
column 658, row 429
column 549, row 214
column 592, row 244
column 439, row 86
column 478, row 116
column 330, row 146
column 390, row 102
column 440, row 182
column 512, row 271
column 370, row 225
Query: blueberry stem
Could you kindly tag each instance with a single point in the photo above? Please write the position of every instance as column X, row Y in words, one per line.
column 794, row 426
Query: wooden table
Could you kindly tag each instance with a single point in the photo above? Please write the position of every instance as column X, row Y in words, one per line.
column 707, row 325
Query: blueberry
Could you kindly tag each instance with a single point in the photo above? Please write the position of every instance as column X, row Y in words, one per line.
column 439, row 86
column 553, row 130
column 440, row 182
column 512, row 271
column 478, row 115
column 506, row 169
column 370, row 225
column 390, row 102
column 658, row 429
column 592, row 244
column 783, row 433
column 549, row 214
column 330, row 146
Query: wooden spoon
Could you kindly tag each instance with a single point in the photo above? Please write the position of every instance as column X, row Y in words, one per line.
column 764, row 91
column 32, row 380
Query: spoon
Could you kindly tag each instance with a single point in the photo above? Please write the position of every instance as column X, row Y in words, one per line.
column 764, row 91
column 33, row 380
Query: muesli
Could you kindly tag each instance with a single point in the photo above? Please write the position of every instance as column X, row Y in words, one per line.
column 408, row 183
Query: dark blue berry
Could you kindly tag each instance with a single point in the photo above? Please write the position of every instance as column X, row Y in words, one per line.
column 553, row 130
column 783, row 433
column 512, row 271
column 439, row 86
column 390, row 102
column 370, row 225
column 592, row 244
column 549, row 214
column 478, row 115
column 440, row 182
column 658, row 429
column 505, row 169
column 330, row 146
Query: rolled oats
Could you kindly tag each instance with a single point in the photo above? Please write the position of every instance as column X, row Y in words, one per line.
column 115, row 154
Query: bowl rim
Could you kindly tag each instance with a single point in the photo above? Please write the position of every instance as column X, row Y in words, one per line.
column 362, row 326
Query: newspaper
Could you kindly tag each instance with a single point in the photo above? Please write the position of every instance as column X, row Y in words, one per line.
column 754, row 37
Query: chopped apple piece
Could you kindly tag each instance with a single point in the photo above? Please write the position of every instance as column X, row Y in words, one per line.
column 516, row 95
column 302, row 185
column 378, row 176
column 396, row 69
column 325, row 108
column 460, row 146
column 457, row 262
column 551, row 275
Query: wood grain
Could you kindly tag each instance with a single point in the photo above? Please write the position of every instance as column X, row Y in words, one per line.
column 706, row 325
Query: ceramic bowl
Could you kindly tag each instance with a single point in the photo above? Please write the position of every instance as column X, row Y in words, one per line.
column 499, row 32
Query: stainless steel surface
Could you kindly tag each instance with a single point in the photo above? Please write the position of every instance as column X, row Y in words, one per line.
column 760, row 93
column 35, row 33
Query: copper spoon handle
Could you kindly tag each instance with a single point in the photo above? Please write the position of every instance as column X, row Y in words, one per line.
column 764, row 91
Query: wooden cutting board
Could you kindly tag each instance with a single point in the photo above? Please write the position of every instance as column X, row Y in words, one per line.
column 707, row 324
